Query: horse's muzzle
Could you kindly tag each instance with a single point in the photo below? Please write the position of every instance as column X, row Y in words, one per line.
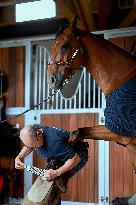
column 52, row 82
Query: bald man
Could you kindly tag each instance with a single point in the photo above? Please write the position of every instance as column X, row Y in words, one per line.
column 53, row 143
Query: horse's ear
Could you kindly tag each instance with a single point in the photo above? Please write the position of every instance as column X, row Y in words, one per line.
column 74, row 22
column 60, row 28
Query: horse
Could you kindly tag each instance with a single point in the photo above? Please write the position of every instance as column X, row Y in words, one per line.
column 110, row 66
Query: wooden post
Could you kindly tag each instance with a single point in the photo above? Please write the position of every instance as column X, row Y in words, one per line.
column 7, row 15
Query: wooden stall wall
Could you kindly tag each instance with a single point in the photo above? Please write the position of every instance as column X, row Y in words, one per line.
column 12, row 64
column 122, row 175
column 83, row 187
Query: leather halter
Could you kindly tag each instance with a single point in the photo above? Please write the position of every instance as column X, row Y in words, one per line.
column 68, row 63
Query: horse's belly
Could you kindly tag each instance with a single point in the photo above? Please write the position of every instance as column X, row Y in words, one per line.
column 120, row 112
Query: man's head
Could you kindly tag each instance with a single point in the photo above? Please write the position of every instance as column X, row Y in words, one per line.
column 31, row 137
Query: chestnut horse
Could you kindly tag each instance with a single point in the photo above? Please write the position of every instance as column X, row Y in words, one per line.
column 109, row 65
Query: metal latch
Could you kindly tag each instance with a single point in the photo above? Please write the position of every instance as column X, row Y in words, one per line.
column 103, row 199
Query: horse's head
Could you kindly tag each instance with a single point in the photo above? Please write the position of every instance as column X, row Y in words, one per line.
column 66, row 56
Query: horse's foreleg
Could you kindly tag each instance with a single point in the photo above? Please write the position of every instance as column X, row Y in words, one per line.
column 100, row 132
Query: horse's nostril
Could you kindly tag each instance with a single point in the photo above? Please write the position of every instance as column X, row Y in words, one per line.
column 52, row 79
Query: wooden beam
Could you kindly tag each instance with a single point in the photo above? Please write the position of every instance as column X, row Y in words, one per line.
column 129, row 18
column 4, row 3
column 32, row 28
column 7, row 15
column 104, row 9
column 81, row 8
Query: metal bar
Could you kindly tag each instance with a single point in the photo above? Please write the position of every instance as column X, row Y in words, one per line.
column 48, row 93
column 27, row 177
column 19, row 201
column 89, row 90
column 24, row 41
column 57, row 101
column 52, row 100
column 40, row 76
column 70, row 104
column 36, row 79
column 103, row 167
column 65, row 104
column 27, row 74
column 61, row 103
column 79, row 98
column 84, row 100
column 75, row 100
column 122, row 31
column 94, row 93
column 44, row 74
column 76, row 203
column 99, row 100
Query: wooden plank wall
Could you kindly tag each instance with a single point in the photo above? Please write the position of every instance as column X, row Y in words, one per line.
column 12, row 63
column 83, row 187
column 122, row 176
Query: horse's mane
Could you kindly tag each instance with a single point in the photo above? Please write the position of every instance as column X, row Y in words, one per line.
column 61, row 29
column 77, row 32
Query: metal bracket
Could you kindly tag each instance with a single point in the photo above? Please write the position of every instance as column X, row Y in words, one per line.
column 103, row 199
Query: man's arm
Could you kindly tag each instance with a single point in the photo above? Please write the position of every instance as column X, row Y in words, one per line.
column 18, row 160
column 69, row 164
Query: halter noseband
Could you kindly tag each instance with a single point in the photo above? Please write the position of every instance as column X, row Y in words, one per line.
column 68, row 63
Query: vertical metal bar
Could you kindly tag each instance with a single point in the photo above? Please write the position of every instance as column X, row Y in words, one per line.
column 61, row 102
column 27, row 75
column 94, row 93
column 48, row 93
column 70, row 103
column 65, row 103
column 44, row 75
column 89, row 90
column 103, row 100
column 57, row 101
column 103, row 167
column 79, row 99
column 40, row 80
column 99, row 97
column 29, row 159
column 36, row 78
column 75, row 100
column 84, row 101
column 52, row 100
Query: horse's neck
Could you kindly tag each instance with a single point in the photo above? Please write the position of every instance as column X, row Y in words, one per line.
column 109, row 65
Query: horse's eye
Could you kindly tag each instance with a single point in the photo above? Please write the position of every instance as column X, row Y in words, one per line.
column 64, row 46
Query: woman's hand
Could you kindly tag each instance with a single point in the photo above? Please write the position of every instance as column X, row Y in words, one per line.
column 18, row 163
column 51, row 174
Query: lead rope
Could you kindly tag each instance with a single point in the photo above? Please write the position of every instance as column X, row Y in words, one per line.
column 67, row 64
column 46, row 99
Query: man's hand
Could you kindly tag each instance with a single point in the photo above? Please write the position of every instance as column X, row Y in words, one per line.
column 24, row 152
column 18, row 163
column 51, row 174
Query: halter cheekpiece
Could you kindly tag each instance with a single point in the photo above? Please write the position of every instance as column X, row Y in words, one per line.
column 68, row 63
